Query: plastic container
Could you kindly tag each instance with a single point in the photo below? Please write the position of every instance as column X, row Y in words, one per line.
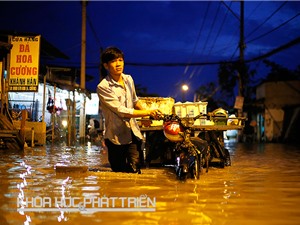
column 191, row 109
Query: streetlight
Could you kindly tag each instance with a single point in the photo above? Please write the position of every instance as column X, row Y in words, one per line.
column 184, row 88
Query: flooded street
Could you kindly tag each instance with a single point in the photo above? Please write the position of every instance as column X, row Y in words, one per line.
column 261, row 187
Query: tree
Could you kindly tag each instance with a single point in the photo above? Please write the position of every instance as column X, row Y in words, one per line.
column 228, row 80
column 223, row 94
column 280, row 73
column 209, row 93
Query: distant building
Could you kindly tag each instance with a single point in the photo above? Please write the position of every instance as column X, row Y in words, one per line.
column 56, row 83
column 279, row 120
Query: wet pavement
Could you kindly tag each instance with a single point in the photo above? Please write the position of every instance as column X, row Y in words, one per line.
column 262, row 187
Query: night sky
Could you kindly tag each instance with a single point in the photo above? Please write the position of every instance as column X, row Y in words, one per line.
column 161, row 37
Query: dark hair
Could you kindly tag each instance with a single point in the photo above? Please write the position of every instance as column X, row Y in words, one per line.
column 111, row 53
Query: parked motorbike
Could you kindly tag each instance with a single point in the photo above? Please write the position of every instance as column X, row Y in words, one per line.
column 191, row 153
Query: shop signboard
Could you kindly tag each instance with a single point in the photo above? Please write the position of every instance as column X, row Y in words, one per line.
column 24, row 63
column 239, row 102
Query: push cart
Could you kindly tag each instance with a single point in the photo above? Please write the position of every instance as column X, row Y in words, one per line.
column 187, row 145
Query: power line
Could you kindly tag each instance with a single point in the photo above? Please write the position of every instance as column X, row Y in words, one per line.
column 94, row 31
column 272, row 52
column 198, row 71
column 198, row 36
column 252, row 12
column 268, row 18
column 219, row 31
column 276, row 28
column 200, row 31
column 229, row 9
column 211, row 28
column 205, row 19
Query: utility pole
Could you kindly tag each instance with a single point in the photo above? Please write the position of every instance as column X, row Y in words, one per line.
column 83, row 45
column 82, row 126
column 241, row 71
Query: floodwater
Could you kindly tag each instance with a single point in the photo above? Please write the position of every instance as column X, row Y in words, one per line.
column 262, row 187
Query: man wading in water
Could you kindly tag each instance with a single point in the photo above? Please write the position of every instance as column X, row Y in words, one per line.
column 120, row 106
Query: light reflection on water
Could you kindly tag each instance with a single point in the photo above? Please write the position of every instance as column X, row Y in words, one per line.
column 261, row 187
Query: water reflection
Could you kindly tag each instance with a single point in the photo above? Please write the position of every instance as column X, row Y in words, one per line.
column 261, row 187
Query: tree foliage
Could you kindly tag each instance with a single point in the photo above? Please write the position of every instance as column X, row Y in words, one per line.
column 233, row 76
column 280, row 73
column 223, row 94
column 208, row 93
column 228, row 78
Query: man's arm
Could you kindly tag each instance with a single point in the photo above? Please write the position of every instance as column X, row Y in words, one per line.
column 138, row 105
column 138, row 109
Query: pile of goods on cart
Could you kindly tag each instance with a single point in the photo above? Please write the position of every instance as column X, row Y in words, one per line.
column 168, row 106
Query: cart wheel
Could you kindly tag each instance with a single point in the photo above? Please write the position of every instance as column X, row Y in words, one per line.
column 181, row 174
column 196, row 168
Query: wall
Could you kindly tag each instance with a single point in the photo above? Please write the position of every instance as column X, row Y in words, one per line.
column 275, row 96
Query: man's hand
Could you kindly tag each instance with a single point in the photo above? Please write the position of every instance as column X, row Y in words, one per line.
column 155, row 113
